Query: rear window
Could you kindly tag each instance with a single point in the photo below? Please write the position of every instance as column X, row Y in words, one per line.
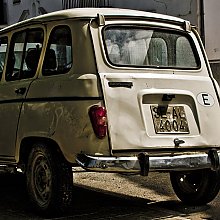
column 129, row 46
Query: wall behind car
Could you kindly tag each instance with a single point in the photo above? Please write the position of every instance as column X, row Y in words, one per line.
column 19, row 10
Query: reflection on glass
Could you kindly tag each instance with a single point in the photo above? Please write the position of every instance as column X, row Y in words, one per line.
column 130, row 46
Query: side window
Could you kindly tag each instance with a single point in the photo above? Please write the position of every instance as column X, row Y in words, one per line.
column 3, row 49
column 24, row 54
column 58, row 57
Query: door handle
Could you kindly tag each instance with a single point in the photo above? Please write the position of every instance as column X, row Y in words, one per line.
column 20, row 91
column 120, row 84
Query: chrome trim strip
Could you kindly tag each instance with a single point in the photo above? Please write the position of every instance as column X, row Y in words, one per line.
column 108, row 164
column 156, row 163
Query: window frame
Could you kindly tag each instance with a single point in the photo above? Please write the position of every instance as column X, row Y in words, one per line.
column 181, row 33
column 5, row 58
column 52, row 31
column 26, row 31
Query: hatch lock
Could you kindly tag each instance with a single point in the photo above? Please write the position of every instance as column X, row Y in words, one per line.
column 177, row 142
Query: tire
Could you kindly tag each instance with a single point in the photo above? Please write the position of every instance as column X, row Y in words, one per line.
column 196, row 187
column 49, row 180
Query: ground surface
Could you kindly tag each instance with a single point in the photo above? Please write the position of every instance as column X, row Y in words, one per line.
column 109, row 196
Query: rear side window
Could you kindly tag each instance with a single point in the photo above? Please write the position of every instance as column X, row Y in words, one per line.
column 129, row 46
column 24, row 54
column 3, row 49
column 58, row 57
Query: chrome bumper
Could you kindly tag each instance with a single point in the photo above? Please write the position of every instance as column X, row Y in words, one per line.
column 144, row 163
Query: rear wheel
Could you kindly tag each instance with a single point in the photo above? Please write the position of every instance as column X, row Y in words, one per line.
column 196, row 187
column 49, row 180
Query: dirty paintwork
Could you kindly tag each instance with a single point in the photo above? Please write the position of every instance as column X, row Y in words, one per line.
column 108, row 90
column 56, row 107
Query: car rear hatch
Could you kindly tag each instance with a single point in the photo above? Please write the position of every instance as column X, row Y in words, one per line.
column 157, row 89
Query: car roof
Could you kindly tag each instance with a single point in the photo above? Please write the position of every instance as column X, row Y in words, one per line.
column 93, row 13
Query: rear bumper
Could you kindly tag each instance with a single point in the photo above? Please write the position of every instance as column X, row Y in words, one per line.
column 143, row 163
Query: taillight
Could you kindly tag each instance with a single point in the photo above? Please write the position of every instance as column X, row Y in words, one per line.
column 98, row 117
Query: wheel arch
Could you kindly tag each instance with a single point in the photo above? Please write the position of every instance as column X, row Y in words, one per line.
column 27, row 144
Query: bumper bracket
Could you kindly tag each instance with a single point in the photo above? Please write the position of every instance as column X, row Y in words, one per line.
column 144, row 163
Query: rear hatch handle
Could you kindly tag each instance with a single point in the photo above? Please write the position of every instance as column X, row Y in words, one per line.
column 120, row 84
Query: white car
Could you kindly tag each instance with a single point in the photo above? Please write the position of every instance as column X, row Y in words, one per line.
column 110, row 90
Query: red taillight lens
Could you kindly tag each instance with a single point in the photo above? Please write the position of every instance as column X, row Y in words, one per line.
column 98, row 117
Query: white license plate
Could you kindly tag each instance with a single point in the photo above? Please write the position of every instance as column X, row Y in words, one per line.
column 169, row 119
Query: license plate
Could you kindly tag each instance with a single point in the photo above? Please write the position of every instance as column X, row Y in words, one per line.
column 169, row 119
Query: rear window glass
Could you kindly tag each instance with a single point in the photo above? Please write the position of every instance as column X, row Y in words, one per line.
column 128, row 46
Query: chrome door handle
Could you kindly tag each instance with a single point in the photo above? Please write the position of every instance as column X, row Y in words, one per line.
column 20, row 91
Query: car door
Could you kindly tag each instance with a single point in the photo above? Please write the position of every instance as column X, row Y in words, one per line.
column 22, row 63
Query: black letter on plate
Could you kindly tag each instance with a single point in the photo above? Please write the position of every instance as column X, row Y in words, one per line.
column 205, row 99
